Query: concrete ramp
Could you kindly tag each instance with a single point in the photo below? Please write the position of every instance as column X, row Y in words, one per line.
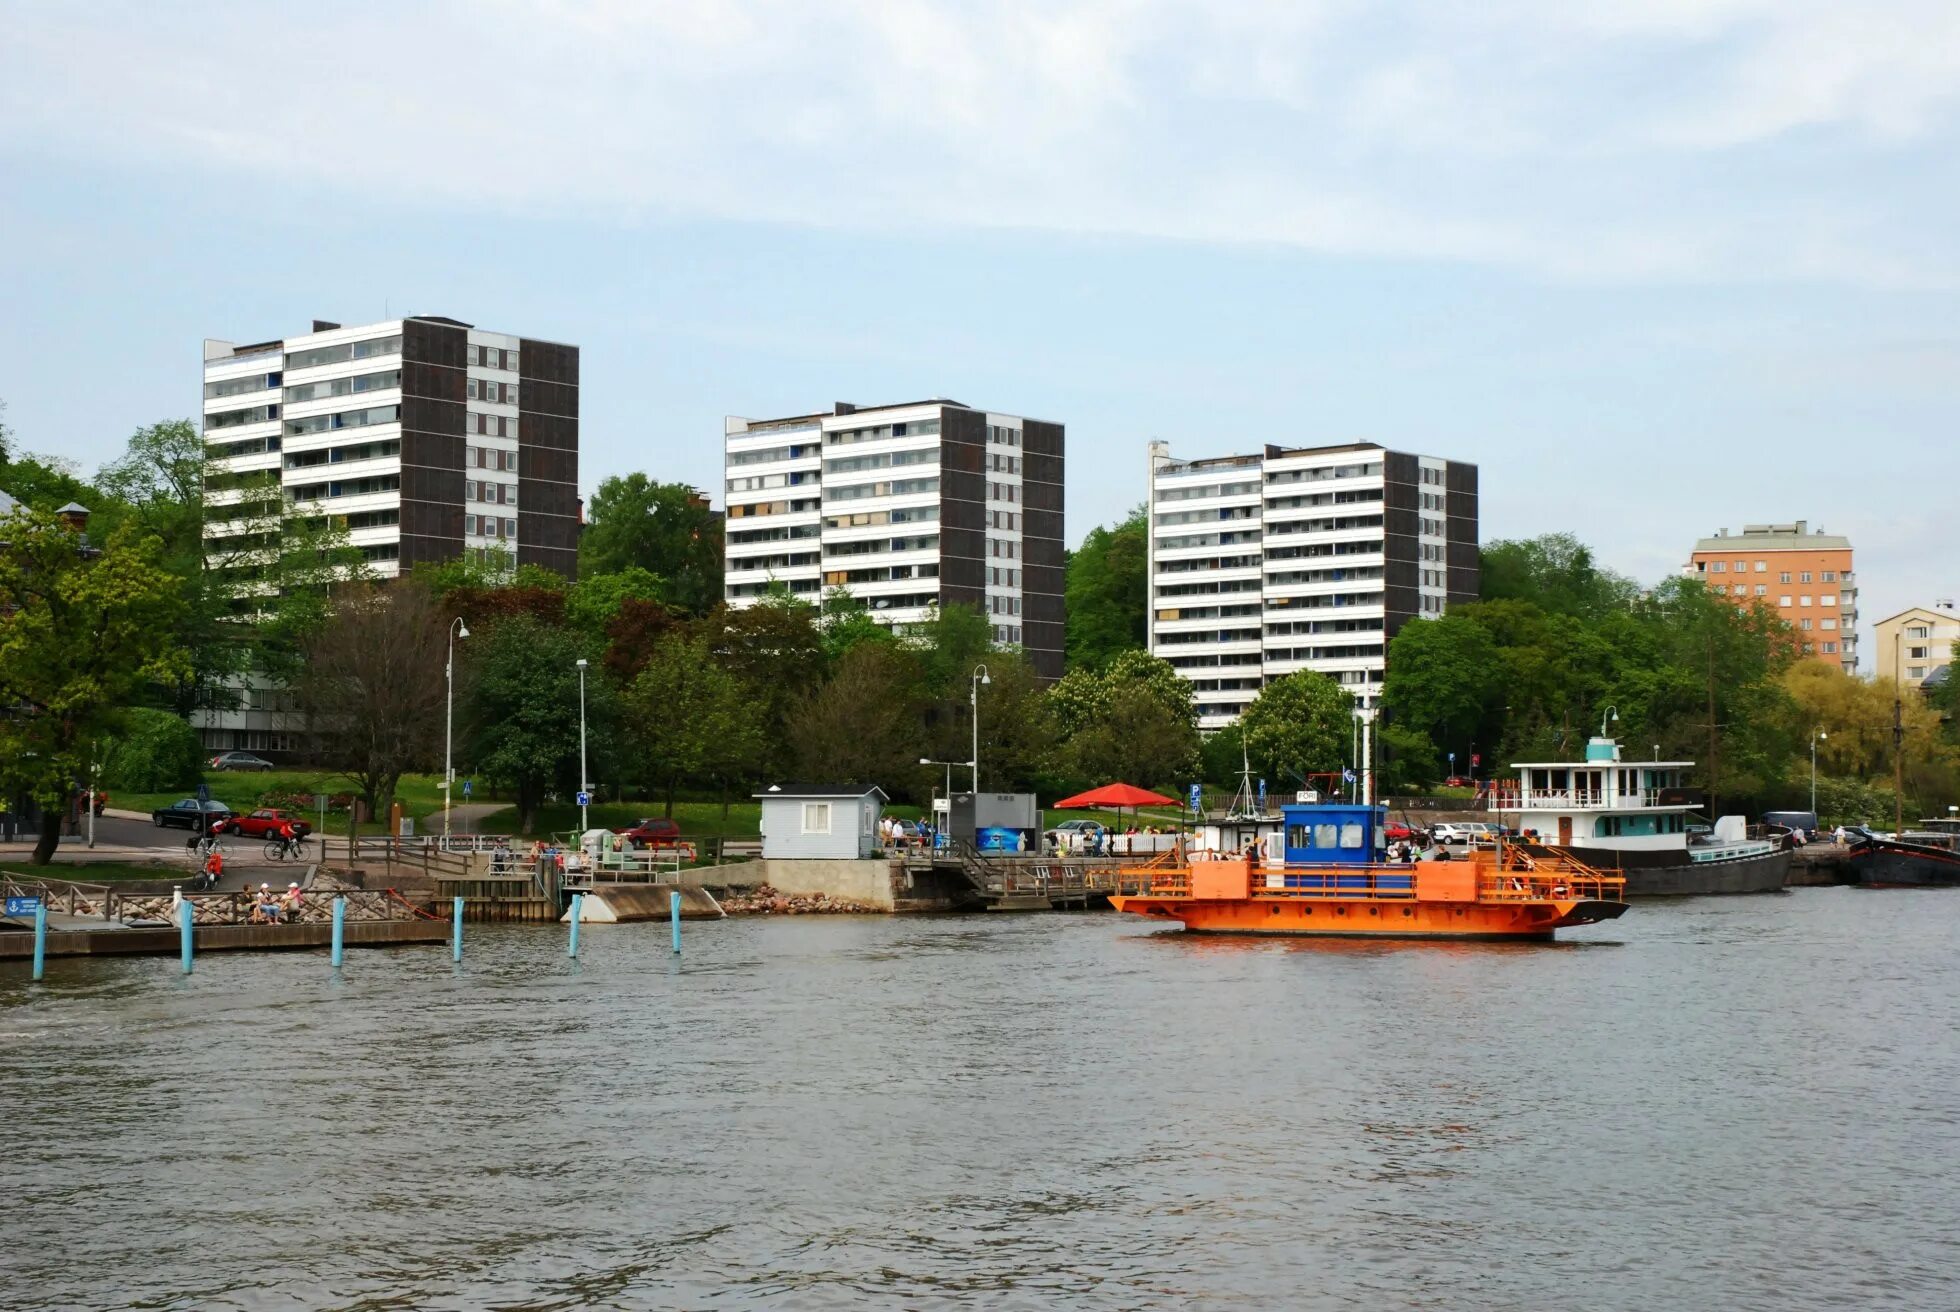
column 610, row 904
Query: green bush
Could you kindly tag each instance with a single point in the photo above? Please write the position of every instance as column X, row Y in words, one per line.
column 157, row 752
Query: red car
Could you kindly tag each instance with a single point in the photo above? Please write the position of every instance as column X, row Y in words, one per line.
column 1398, row 832
column 654, row 831
column 265, row 822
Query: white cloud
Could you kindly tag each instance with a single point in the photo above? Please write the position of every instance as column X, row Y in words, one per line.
column 1674, row 138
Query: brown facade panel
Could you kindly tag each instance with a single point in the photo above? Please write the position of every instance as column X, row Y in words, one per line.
column 1460, row 479
column 563, row 560
column 555, row 431
column 434, row 343
column 548, row 464
column 1042, row 607
column 425, row 414
column 547, row 398
column 956, row 593
column 1037, row 496
column 433, row 519
column 1040, row 439
column 547, row 498
column 1464, row 584
column 433, row 450
column 1042, row 641
column 965, row 428
column 547, row 362
column 1401, row 574
column 1043, row 578
column 434, row 381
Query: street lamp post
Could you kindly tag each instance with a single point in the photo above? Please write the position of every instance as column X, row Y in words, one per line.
column 980, row 676
column 1611, row 713
column 584, row 785
column 926, row 760
column 1815, row 738
column 457, row 629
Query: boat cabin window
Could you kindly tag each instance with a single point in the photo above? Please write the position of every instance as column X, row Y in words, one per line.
column 1351, row 836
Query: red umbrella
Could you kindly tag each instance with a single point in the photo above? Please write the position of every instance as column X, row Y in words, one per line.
column 1113, row 796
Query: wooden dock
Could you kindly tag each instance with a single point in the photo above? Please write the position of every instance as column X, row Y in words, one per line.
column 129, row 941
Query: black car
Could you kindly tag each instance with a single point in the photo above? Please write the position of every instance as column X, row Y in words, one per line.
column 191, row 814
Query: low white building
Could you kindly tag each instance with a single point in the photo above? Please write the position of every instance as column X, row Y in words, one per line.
column 821, row 821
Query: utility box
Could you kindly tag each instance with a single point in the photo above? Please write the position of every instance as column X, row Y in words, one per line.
column 996, row 822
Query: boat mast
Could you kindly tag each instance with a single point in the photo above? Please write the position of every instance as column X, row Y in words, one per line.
column 1713, row 742
column 1898, row 745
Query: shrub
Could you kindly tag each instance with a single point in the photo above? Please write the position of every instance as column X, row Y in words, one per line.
column 158, row 752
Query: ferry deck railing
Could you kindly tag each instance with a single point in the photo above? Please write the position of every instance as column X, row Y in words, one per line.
column 1510, row 874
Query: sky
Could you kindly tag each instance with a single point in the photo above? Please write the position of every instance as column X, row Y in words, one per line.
column 1657, row 268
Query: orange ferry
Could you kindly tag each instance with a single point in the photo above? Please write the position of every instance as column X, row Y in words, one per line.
column 1322, row 870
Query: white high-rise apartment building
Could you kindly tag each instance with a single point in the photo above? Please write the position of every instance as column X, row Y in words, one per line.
column 905, row 507
column 422, row 437
column 1309, row 558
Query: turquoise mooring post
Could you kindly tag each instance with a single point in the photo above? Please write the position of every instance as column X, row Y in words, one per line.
column 578, row 914
column 456, row 933
column 184, row 931
column 339, row 931
column 674, row 916
column 40, row 939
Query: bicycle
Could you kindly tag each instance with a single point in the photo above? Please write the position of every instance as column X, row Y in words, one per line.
column 280, row 850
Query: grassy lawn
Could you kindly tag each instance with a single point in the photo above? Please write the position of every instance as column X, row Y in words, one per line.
column 100, row 873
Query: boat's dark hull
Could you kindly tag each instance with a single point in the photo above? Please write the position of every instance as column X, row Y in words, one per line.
column 1889, row 865
column 1665, row 874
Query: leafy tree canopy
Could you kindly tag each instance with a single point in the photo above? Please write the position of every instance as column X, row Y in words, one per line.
column 1108, row 593
column 665, row 529
column 1298, row 726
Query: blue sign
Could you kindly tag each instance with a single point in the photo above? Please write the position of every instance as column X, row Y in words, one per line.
column 1262, row 794
column 203, row 792
column 467, row 785
column 584, row 799
column 1194, row 798
column 23, row 906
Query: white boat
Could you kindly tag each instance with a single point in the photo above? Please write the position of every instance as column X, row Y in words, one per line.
column 1633, row 816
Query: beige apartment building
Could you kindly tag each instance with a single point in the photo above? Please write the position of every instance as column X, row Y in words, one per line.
column 1916, row 643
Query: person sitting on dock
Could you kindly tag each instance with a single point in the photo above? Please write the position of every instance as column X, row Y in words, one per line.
column 292, row 901
column 265, row 911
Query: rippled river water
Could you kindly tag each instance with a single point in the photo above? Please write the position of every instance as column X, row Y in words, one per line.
column 1719, row 1103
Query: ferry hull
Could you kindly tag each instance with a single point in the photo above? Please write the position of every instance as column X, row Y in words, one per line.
column 1369, row 917
column 1654, row 874
column 1888, row 866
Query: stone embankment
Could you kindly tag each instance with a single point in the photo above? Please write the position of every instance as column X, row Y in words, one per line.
column 763, row 900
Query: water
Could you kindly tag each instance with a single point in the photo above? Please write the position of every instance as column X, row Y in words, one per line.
column 1734, row 1104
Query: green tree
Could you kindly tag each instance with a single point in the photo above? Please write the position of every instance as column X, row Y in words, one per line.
column 665, row 529
column 154, row 752
column 371, row 685
column 863, row 726
column 691, row 720
column 79, row 633
column 592, row 603
column 1298, row 726
column 776, row 650
column 1135, row 716
column 1556, row 573
column 1443, row 676
column 519, row 706
column 845, row 622
column 1108, row 593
